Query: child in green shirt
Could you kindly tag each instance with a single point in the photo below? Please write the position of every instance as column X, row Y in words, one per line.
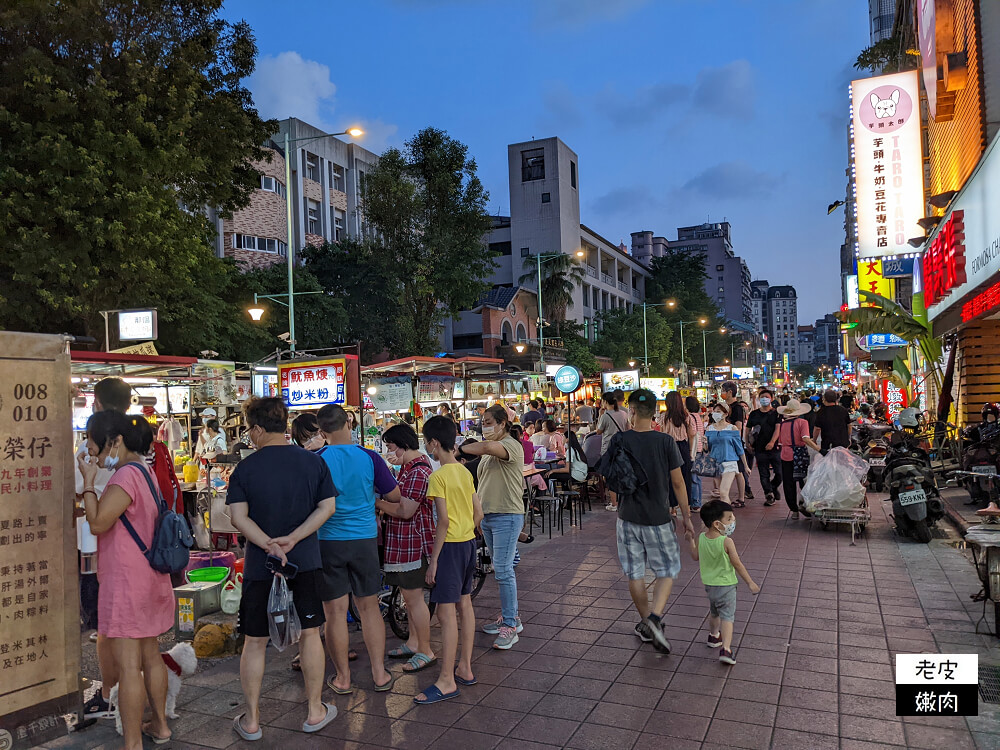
column 720, row 564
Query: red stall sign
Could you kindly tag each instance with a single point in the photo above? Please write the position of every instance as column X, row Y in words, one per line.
column 944, row 261
column 894, row 398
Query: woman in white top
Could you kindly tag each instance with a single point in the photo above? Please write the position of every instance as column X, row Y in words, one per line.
column 214, row 440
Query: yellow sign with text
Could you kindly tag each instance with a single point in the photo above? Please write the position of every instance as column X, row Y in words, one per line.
column 871, row 279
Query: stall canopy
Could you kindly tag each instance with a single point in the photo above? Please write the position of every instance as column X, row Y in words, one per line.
column 457, row 367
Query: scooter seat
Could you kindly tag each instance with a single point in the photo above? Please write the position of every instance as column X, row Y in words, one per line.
column 991, row 511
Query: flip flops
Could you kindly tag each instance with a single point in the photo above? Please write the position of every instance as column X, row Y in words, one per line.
column 418, row 662
column 434, row 695
column 467, row 683
column 337, row 690
column 248, row 736
column 401, row 652
column 331, row 714
column 387, row 686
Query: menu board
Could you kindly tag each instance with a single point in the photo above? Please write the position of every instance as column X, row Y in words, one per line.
column 659, row 386
column 480, row 390
column 433, row 391
column 39, row 602
column 393, row 396
column 626, row 380
column 217, row 385
column 458, row 390
column 313, row 384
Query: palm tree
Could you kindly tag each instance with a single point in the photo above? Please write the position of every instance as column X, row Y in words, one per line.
column 560, row 277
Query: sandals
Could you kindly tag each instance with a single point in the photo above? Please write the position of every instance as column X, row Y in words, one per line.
column 248, row 736
column 337, row 690
column 331, row 714
column 419, row 662
column 739, row 504
column 401, row 652
column 387, row 686
column 434, row 695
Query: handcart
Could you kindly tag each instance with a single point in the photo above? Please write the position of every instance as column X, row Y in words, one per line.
column 858, row 518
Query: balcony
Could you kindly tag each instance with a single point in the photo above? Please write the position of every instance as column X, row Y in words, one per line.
column 607, row 279
column 592, row 272
column 637, row 294
column 622, row 286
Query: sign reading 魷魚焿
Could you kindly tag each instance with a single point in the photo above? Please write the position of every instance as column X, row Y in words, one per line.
column 312, row 384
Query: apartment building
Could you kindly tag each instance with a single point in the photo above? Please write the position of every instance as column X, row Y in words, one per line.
column 782, row 304
column 806, row 344
column 544, row 183
column 326, row 178
column 827, row 341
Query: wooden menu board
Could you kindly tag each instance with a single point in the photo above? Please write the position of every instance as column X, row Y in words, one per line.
column 39, row 590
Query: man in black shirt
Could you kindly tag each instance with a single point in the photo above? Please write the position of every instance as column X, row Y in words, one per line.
column 762, row 439
column 645, row 528
column 833, row 423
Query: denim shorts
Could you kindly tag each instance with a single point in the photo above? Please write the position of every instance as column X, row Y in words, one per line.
column 722, row 602
column 654, row 547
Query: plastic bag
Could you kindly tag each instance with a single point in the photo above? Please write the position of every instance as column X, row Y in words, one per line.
column 835, row 481
column 282, row 619
column 231, row 594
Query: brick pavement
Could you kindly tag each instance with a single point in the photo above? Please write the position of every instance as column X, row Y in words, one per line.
column 814, row 649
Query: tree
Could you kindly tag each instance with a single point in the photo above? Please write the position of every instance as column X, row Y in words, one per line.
column 890, row 55
column 805, row 370
column 114, row 117
column 621, row 338
column 425, row 209
column 368, row 287
column 580, row 355
column 561, row 275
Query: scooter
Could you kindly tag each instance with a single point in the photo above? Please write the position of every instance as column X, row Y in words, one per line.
column 980, row 463
column 875, row 450
column 916, row 502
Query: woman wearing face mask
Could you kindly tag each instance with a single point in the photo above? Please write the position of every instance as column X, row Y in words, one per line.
column 135, row 603
column 726, row 446
column 501, row 484
column 215, row 440
column 305, row 432
column 409, row 542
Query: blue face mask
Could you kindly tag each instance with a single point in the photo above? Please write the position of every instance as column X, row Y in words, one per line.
column 765, row 401
column 110, row 462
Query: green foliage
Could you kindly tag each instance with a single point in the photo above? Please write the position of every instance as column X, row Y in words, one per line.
column 426, row 211
column 805, row 370
column 114, row 116
column 621, row 338
column 890, row 55
column 580, row 355
column 561, row 275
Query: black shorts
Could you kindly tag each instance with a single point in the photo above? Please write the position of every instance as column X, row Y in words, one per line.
column 305, row 588
column 408, row 579
column 456, row 565
column 350, row 566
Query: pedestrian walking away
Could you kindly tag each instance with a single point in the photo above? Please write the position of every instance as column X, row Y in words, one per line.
column 793, row 432
column 833, row 424
column 278, row 498
column 501, row 482
column 719, row 564
column 643, row 465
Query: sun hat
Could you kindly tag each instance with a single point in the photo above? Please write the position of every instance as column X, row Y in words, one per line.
column 794, row 408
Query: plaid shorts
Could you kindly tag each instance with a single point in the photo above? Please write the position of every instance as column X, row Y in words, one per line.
column 654, row 547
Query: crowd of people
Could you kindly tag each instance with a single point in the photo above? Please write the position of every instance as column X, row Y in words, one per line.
column 309, row 511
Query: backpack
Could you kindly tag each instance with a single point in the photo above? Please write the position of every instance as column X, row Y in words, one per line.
column 172, row 540
column 621, row 471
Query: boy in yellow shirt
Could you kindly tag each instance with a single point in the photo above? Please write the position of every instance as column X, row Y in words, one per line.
column 720, row 564
column 453, row 560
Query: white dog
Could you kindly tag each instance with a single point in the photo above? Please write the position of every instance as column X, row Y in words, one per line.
column 181, row 662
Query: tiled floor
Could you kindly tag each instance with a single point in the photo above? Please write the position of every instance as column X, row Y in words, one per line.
column 815, row 651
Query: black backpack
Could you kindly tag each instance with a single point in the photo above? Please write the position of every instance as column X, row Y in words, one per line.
column 172, row 540
column 621, row 471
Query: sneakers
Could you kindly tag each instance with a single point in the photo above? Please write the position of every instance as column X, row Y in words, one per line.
column 795, row 515
column 494, row 628
column 726, row 657
column 506, row 638
column 714, row 641
column 643, row 632
column 655, row 631
column 748, row 494
column 98, row 708
column 771, row 500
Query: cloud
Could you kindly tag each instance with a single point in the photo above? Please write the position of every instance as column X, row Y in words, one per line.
column 625, row 200
column 289, row 86
column 561, row 106
column 727, row 92
column 643, row 105
column 578, row 13
column 733, row 179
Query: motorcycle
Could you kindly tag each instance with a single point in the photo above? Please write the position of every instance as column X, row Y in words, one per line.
column 916, row 502
column 875, row 450
column 980, row 463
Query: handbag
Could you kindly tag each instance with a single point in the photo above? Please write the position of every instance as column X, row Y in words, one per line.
column 800, row 457
column 705, row 466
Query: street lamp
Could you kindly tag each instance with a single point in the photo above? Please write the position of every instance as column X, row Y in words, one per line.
column 544, row 258
column 631, row 363
column 701, row 321
column 704, row 345
column 519, row 348
column 257, row 312
column 354, row 132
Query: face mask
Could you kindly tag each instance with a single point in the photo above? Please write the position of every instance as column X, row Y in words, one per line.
column 110, row 462
column 729, row 528
column 765, row 402
column 717, row 416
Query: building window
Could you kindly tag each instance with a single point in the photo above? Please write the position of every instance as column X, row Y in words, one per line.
column 720, row 267
column 597, row 298
column 339, row 218
column 311, row 165
column 337, row 177
column 469, row 341
column 572, row 174
column 271, row 185
column 586, row 295
column 722, row 279
column 524, row 252
column 522, row 333
column 500, row 248
column 722, row 289
column 312, row 217
column 533, row 165
column 260, row 244
column 546, row 197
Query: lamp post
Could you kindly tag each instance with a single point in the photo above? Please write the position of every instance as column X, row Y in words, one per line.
column 701, row 321
column 354, row 132
column 539, row 259
column 257, row 312
column 704, row 345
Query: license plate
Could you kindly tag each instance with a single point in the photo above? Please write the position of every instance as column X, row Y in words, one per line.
column 876, row 461
column 912, row 497
column 985, row 470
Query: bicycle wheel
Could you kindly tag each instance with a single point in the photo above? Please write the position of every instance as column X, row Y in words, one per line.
column 396, row 613
column 482, row 568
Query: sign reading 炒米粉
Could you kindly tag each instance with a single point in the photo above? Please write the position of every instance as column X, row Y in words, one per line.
column 937, row 684
column 886, row 163
column 567, row 379
column 317, row 383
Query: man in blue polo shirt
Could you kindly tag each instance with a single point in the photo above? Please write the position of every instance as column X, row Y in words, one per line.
column 349, row 547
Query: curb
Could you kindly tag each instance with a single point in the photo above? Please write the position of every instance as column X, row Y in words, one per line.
column 954, row 515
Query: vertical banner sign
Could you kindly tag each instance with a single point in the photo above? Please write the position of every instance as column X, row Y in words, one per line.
column 39, row 600
column 894, row 398
column 937, row 685
column 887, row 168
column 871, row 279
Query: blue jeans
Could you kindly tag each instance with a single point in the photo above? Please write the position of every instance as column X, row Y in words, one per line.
column 694, row 501
column 501, row 531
